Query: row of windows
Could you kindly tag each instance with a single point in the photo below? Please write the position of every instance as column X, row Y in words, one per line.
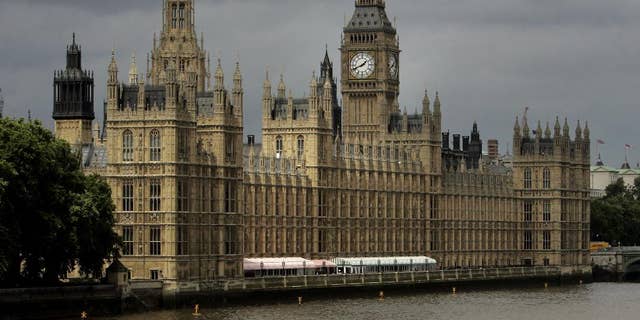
column 155, row 148
column 546, row 178
column 155, row 192
column 528, row 210
column 280, row 147
column 231, row 244
column 528, row 240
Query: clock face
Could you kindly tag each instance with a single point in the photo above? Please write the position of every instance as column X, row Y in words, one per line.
column 362, row 65
column 393, row 66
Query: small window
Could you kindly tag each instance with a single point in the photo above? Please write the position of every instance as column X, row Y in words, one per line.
column 279, row 146
column 154, row 241
column 300, row 147
column 155, row 274
column 183, row 195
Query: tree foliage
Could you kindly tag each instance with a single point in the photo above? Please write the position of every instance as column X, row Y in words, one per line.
column 615, row 218
column 52, row 216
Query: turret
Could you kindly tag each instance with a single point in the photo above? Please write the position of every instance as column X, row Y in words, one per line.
column 426, row 105
column 327, row 98
column 133, row 71
column 587, row 132
column 539, row 131
column 547, row 132
column 437, row 117
column 112, row 81
column 172, row 86
column 525, row 128
column 282, row 88
column 556, row 129
column 218, row 91
column 266, row 97
column 578, row 132
column 238, row 92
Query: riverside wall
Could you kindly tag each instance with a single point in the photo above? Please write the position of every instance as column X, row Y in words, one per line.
column 140, row 296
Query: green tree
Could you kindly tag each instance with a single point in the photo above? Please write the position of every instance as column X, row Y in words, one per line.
column 615, row 218
column 49, row 211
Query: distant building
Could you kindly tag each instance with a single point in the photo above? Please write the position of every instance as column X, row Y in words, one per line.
column 493, row 149
column 603, row 175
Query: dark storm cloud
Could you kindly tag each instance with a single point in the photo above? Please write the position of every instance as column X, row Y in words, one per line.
column 489, row 59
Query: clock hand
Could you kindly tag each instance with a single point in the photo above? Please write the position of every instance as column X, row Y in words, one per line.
column 360, row 66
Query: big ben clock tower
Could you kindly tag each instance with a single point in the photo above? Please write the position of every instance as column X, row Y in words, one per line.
column 370, row 69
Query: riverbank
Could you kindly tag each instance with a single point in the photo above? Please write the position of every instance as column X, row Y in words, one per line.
column 142, row 296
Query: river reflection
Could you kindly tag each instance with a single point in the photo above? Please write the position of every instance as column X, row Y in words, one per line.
column 590, row 301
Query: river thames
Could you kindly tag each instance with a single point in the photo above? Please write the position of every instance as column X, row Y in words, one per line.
column 579, row 302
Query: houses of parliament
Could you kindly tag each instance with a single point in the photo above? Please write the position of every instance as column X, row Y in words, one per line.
column 194, row 197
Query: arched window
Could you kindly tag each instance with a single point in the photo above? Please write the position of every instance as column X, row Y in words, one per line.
column 527, row 178
column 127, row 146
column 546, row 178
column 279, row 147
column 300, row 147
column 154, row 146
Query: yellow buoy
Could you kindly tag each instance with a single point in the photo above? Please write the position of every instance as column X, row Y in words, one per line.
column 196, row 311
column 381, row 295
column 453, row 290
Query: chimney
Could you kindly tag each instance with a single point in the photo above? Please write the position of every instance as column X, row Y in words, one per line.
column 251, row 140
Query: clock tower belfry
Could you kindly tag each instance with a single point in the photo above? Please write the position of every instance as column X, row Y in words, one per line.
column 370, row 72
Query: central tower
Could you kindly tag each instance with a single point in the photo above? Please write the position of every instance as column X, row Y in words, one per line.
column 370, row 70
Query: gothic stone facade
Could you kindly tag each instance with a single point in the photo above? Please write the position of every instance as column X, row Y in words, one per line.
column 363, row 179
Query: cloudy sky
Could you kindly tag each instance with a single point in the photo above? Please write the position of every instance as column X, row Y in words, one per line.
column 489, row 59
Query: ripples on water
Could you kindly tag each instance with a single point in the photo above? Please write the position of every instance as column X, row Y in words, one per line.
column 591, row 301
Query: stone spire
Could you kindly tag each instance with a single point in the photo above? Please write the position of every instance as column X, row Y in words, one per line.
column 556, row 128
column 282, row 88
column 525, row 127
column 426, row 104
column 578, row 131
column 313, row 86
column 237, row 77
column 219, row 85
column 565, row 129
column 586, row 132
column 539, row 130
column 516, row 128
column 547, row 131
column 436, row 105
column 133, row 71
column 266, row 86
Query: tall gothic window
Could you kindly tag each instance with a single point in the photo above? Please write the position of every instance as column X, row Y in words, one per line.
column 127, row 146
column 127, row 240
column 174, row 16
column 300, row 147
column 229, row 148
column 181, row 16
column 182, row 241
column 528, row 240
column 528, row 211
column 527, row 178
column 230, row 245
column 279, row 146
column 154, row 195
column 183, row 144
column 183, row 195
column 229, row 197
column 546, row 210
column 546, row 178
column 127, row 196
column 546, row 240
column 154, row 241
column 154, row 146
